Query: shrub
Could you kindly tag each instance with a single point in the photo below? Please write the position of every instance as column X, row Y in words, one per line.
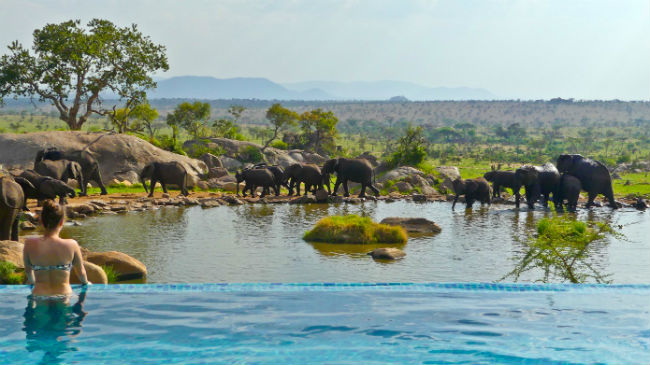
column 251, row 154
column 354, row 229
column 281, row 145
column 8, row 274
column 562, row 248
column 111, row 274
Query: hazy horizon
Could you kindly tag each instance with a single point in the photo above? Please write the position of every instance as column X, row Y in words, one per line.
column 590, row 50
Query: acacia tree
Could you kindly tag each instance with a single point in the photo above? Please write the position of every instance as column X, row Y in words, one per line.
column 280, row 119
column 71, row 65
column 136, row 118
column 190, row 116
column 319, row 130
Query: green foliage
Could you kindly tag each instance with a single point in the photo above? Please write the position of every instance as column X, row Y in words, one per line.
column 134, row 118
column 71, row 65
column 201, row 147
column 170, row 143
column 280, row 118
column 354, row 229
column 8, row 274
column 111, row 274
column 562, row 248
column 251, row 154
column 410, row 148
column 191, row 117
column 225, row 128
column 281, row 145
column 319, row 130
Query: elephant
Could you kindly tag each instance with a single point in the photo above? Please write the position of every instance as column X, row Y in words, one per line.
column 257, row 177
column 12, row 201
column 44, row 187
column 538, row 181
column 166, row 173
column 569, row 189
column 88, row 162
column 60, row 170
column 593, row 175
column 473, row 189
column 303, row 173
column 278, row 176
column 357, row 170
column 506, row 179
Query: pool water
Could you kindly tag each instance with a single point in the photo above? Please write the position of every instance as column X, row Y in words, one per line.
column 263, row 243
column 330, row 324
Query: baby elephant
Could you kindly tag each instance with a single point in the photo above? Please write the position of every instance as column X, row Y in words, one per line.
column 473, row 189
column 569, row 189
column 257, row 177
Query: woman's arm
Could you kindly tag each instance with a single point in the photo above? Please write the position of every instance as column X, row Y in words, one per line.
column 78, row 264
column 29, row 273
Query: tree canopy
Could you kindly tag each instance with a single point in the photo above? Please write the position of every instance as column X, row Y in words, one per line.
column 280, row 119
column 190, row 116
column 319, row 130
column 71, row 65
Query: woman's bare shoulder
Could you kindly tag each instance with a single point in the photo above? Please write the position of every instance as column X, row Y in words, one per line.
column 31, row 241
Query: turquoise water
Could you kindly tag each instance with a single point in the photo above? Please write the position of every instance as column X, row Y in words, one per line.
column 330, row 324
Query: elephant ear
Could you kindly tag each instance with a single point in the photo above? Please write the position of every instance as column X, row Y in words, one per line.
column 9, row 186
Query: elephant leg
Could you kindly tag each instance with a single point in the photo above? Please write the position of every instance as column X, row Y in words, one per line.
column 345, row 188
column 455, row 201
column 374, row 189
column 152, row 186
column 336, row 186
column 62, row 199
column 363, row 191
column 83, row 185
column 14, row 225
column 469, row 202
column 97, row 176
column 298, row 187
column 590, row 199
column 6, row 224
column 246, row 187
column 164, row 186
column 609, row 194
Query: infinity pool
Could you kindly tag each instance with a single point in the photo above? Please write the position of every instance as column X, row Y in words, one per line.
column 330, row 324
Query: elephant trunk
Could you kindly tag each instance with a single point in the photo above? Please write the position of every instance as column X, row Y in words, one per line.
column 143, row 182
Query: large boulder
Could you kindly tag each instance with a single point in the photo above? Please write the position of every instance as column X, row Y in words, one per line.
column 217, row 172
column 230, row 163
column 120, row 156
column 211, row 161
column 450, row 172
column 12, row 251
column 94, row 273
column 400, row 173
column 125, row 266
column 413, row 225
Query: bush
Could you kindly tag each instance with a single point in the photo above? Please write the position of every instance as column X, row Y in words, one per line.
column 167, row 143
column 354, row 229
column 410, row 150
column 562, row 248
column 111, row 274
column 279, row 144
column 8, row 274
column 251, row 154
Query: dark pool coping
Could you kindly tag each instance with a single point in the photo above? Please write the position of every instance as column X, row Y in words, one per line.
column 293, row 287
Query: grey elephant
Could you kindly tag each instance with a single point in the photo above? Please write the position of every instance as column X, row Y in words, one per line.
column 278, row 176
column 166, row 173
column 538, row 181
column 569, row 189
column 255, row 178
column 593, row 175
column 357, row 170
column 60, row 170
column 12, row 201
column 501, row 179
column 308, row 174
column 474, row 190
column 87, row 161
column 45, row 187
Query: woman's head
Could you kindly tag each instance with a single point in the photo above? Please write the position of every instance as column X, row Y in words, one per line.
column 52, row 215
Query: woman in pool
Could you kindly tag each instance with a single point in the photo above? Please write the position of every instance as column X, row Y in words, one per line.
column 49, row 259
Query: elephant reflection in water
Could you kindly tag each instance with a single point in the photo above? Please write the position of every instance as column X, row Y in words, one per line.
column 50, row 324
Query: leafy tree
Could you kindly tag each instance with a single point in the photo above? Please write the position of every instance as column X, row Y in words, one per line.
column 236, row 111
column 189, row 116
column 134, row 118
column 225, row 128
column 410, row 148
column 280, row 118
column 319, row 130
column 71, row 65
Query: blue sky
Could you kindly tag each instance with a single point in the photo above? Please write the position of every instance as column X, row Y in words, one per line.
column 526, row 49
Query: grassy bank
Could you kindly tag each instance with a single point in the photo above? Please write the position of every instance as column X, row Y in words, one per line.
column 354, row 229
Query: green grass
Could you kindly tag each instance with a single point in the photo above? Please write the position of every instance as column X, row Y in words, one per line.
column 355, row 229
column 8, row 274
column 111, row 274
column 137, row 188
column 639, row 185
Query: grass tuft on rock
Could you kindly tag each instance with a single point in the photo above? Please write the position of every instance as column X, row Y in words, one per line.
column 354, row 229
column 111, row 274
column 8, row 274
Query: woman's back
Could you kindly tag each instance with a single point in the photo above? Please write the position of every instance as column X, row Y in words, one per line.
column 49, row 259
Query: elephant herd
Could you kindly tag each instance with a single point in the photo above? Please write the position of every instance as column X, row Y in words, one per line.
column 312, row 176
column 564, row 180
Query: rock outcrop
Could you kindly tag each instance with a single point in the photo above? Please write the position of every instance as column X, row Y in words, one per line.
column 120, row 156
column 12, row 251
column 413, row 225
column 126, row 267
column 94, row 273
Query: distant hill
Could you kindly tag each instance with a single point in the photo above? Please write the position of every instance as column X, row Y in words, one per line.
column 383, row 90
column 206, row 87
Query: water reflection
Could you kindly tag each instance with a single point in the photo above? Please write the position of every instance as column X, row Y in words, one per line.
column 51, row 324
column 351, row 250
